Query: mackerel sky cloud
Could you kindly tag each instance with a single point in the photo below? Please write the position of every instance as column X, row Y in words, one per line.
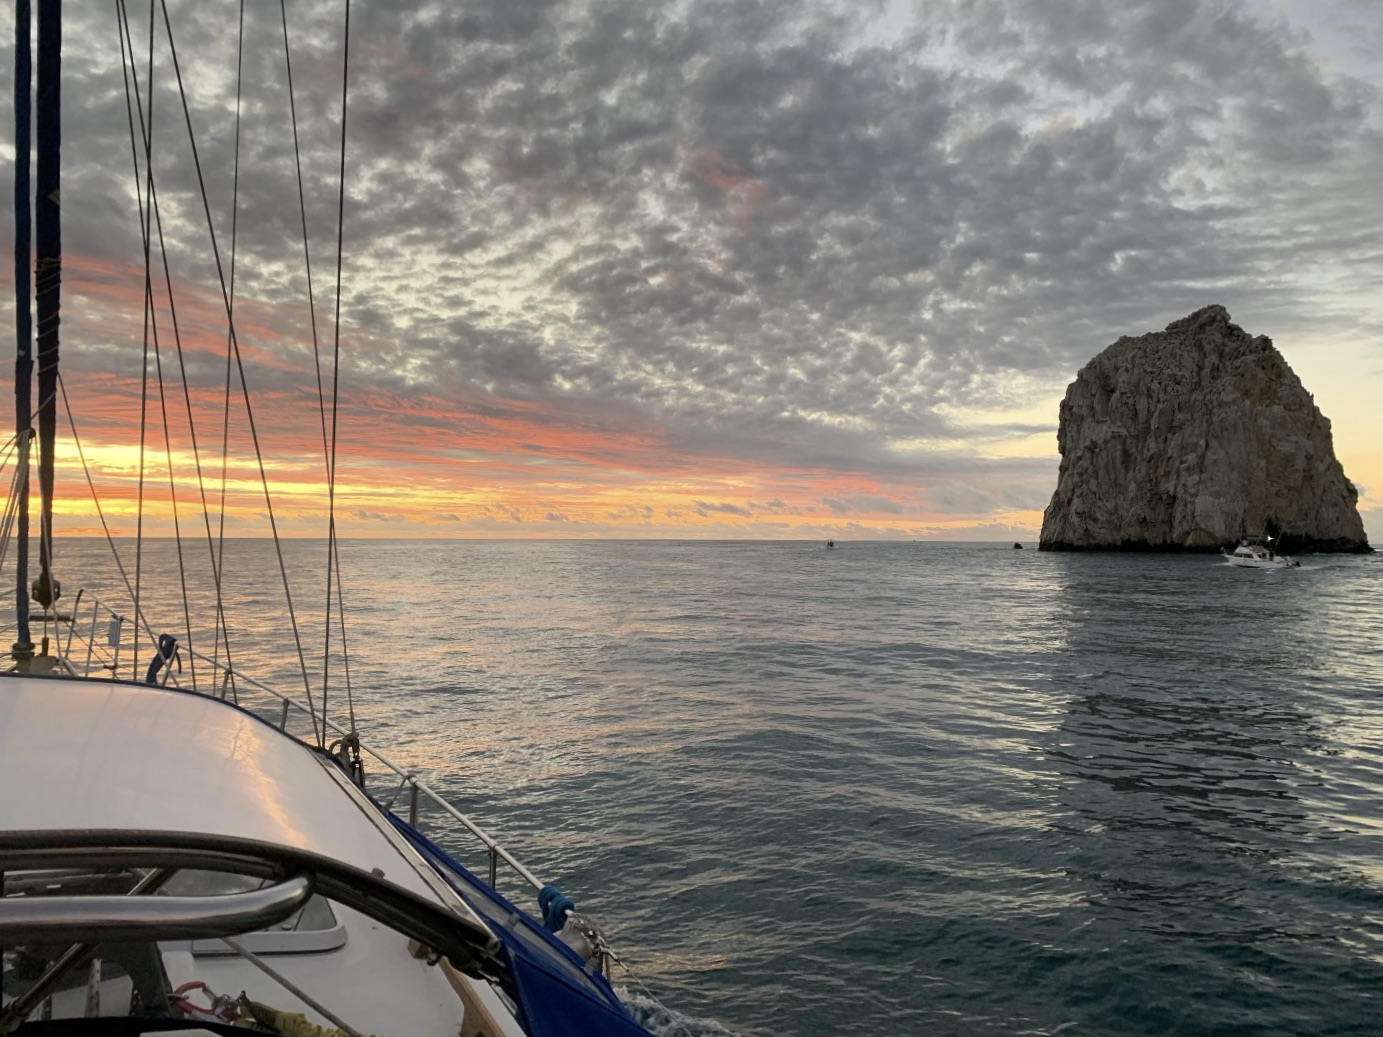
column 727, row 269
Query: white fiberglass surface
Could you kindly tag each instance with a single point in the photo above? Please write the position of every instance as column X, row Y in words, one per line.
column 371, row 983
column 80, row 754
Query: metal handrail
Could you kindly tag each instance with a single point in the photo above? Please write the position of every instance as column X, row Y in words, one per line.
column 122, row 918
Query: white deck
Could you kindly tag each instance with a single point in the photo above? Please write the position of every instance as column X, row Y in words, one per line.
column 78, row 754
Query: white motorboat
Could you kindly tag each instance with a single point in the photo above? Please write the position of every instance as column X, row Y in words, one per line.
column 1258, row 553
column 172, row 857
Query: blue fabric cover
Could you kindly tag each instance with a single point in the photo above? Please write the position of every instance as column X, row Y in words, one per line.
column 557, row 996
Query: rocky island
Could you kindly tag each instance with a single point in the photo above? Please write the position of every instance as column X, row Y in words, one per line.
column 1192, row 438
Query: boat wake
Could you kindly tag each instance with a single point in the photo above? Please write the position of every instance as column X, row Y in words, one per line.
column 662, row 1021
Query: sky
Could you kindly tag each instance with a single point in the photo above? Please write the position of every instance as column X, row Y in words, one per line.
column 700, row 269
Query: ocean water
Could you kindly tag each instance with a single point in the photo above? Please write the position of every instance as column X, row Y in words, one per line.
column 904, row 788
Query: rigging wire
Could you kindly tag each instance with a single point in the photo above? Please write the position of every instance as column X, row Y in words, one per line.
column 220, row 552
column 9, row 448
column 140, row 620
column 317, row 729
column 172, row 483
column 12, row 502
column 192, row 429
column 328, row 442
column 333, row 558
column 151, row 221
column 146, row 212
column 221, row 630
column 302, row 210
column 152, row 325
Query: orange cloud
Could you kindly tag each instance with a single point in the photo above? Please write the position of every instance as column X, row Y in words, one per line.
column 743, row 193
column 485, row 466
column 453, row 463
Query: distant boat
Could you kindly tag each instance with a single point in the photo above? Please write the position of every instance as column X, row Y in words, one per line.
column 1017, row 546
column 830, row 543
column 1257, row 553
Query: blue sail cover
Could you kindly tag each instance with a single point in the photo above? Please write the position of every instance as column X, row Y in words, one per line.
column 557, row 995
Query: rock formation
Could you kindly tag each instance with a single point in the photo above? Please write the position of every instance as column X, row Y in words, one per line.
column 1192, row 438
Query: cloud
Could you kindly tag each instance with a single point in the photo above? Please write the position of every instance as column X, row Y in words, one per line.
column 864, row 504
column 704, row 508
column 780, row 236
column 962, row 499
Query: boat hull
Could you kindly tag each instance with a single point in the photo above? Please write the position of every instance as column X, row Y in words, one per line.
column 1276, row 562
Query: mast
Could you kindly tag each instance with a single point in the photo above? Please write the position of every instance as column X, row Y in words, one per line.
column 23, row 318
column 48, row 274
